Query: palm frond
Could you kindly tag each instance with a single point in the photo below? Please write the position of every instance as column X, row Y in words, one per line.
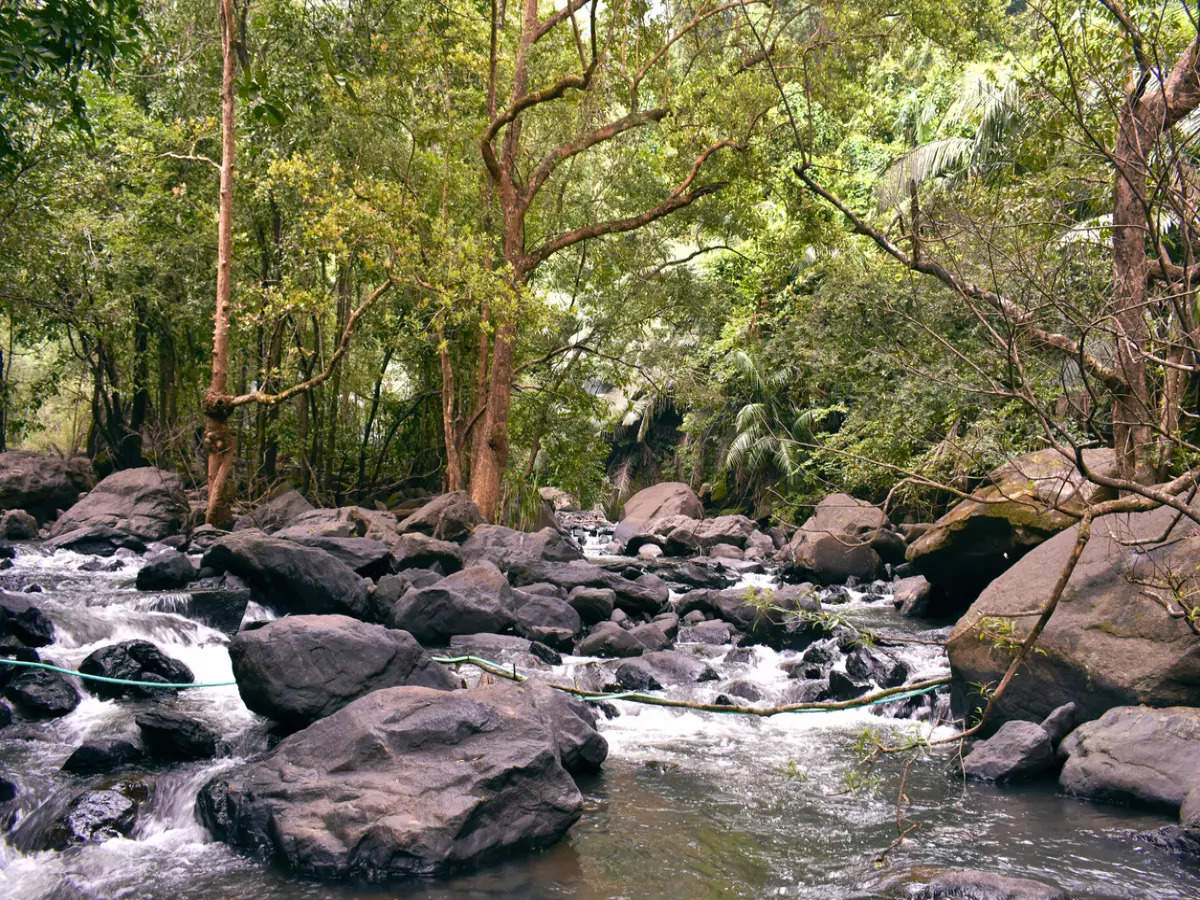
column 920, row 165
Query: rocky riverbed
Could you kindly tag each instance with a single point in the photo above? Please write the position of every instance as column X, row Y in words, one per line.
column 284, row 785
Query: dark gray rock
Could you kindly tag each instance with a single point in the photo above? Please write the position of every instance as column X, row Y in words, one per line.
column 611, row 640
column 508, row 548
column 8, row 790
column 42, row 483
column 651, row 636
column 101, row 756
column 41, row 694
column 146, row 503
column 1189, row 812
column 1018, row 751
column 6, row 715
column 22, row 620
column 18, row 525
column 448, row 517
column 593, row 604
column 1176, row 839
column 405, row 781
column 669, row 498
column 420, row 551
column 477, row 599
column 366, row 557
column 547, row 619
column 669, row 667
column 175, row 737
column 843, row 687
column 276, row 513
column 1061, row 722
column 298, row 669
column 134, row 661
column 714, row 632
column 1134, row 754
column 219, row 602
column 95, row 816
column 868, row 663
column 288, row 577
column 96, row 540
column 165, row 570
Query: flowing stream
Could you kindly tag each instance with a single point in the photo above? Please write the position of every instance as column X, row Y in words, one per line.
column 689, row 805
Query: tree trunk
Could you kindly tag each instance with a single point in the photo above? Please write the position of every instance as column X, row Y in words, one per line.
column 218, row 437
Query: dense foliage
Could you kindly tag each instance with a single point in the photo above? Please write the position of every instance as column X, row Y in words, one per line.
column 748, row 340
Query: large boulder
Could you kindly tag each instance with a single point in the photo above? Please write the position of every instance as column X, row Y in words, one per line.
column 477, row 599
column 420, row 551
column 165, row 570
column 276, row 513
column 298, row 669
column 147, row 503
column 1118, row 636
column 172, row 736
column 447, row 517
column 508, row 548
column 219, row 602
column 407, row 781
column 1134, row 754
column 669, row 498
column 289, row 577
column 41, row 694
column 42, row 484
column 838, row 542
column 1025, row 502
column 366, row 557
column 680, row 535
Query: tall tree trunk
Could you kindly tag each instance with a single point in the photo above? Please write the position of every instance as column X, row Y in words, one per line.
column 218, row 437
column 450, row 436
column 1131, row 409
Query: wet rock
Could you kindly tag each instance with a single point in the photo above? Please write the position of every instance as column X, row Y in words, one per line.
column 1028, row 500
column 483, row 777
column 8, row 790
column 175, row 737
column 290, row 578
column 133, row 661
column 867, row 663
column 1189, row 812
column 101, row 756
column 18, row 525
column 219, row 602
column 41, row 694
column 145, row 503
column 672, row 667
column 420, row 551
column 95, row 816
column 807, row 690
column 96, row 540
column 508, row 548
column 365, row 557
column 276, row 513
column 745, row 690
column 22, row 620
column 165, row 570
column 837, row 542
column 547, row 619
column 610, row 640
column 933, row 883
column 1176, row 839
column 668, row 622
column 42, row 483
column 448, row 517
column 593, row 604
column 843, row 687
column 298, row 669
column 204, row 536
column 687, row 575
column 1134, row 754
column 633, row 677
column 1018, row 751
column 1101, row 648
column 477, row 599
column 17, row 652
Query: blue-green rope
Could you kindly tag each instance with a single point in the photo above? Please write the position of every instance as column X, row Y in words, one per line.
column 124, row 681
